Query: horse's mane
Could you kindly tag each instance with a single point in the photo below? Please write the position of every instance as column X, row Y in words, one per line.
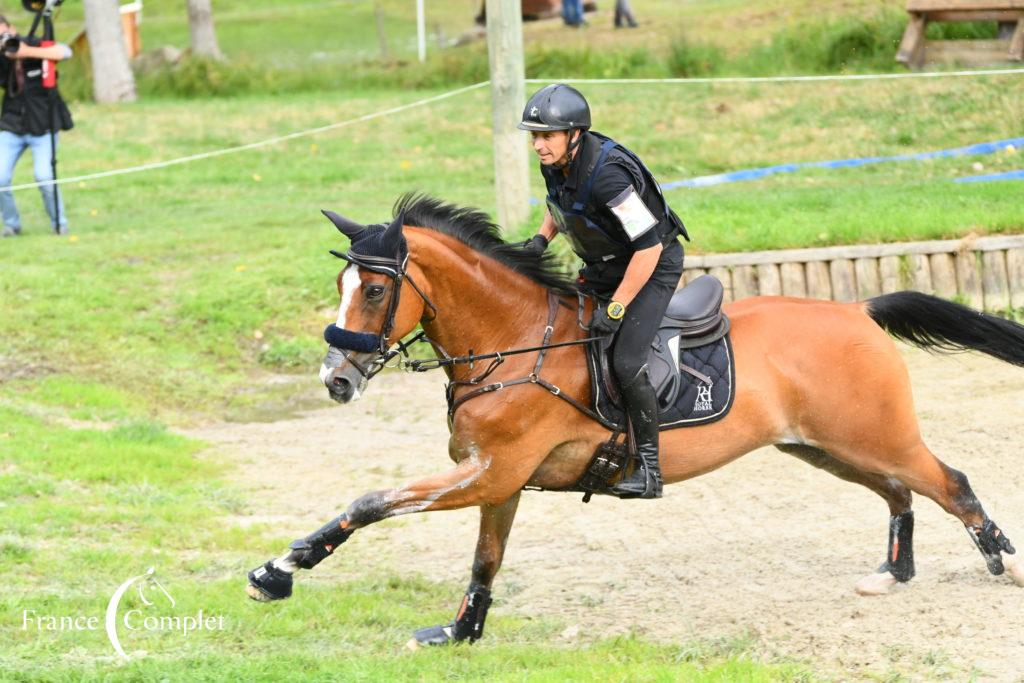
column 475, row 229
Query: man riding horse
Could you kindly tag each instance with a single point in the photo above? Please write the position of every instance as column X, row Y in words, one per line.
column 608, row 204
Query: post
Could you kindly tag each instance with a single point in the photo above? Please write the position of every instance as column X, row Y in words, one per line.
column 382, row 37
column 421, row 31
column 508, row 95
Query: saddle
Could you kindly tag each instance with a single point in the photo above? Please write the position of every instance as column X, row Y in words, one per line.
column 690, row 362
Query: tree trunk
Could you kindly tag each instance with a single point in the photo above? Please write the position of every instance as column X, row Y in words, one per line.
column 201, row 34
column 112, row 78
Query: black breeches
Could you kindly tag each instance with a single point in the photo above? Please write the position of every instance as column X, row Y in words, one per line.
column 643, row 316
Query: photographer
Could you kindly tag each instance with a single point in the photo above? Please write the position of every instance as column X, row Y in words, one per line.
column 32, row 113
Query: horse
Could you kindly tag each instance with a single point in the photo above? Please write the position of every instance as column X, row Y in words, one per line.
column 820, row 380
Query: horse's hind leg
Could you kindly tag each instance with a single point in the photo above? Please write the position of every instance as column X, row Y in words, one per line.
column 929, row 476
column 898, row 566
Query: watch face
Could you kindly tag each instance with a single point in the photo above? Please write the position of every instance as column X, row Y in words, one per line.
column 616, row 310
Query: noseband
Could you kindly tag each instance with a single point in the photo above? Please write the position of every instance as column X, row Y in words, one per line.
column 395, row 268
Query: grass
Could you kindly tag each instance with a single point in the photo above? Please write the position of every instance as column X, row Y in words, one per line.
column 85, row 509
column 289, row 46
column 180, row 289
column 181, row 282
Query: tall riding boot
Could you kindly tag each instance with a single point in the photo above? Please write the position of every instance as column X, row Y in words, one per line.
column 642, row 408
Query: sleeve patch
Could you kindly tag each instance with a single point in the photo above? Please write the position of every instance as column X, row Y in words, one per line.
column 633, row 214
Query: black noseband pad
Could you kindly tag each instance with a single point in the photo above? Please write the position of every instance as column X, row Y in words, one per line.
column 351, row 341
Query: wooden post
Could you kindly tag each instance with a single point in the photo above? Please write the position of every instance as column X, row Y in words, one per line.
column 1015, row 270
column 769, row 283
column 892, row 280
column 793, row 282
column 508, row 95
column 994, row 281
column 819, row 284
column 844, row 285
column 868, row 284
column 744, row 282
column 921, row 273
column 943, row 275
column 968, row 279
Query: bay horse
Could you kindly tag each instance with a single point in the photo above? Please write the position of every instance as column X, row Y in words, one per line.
column 817, row 379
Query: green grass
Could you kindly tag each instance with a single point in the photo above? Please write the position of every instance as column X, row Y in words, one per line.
column 182, row 288
column 180, row 283
column 85, row 509
column 290, row 46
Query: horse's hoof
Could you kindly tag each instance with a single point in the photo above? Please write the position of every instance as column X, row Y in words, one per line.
column 879, row 583
column 268, row 583
column 1014, row 568
column 413, row 645
column 433, row 636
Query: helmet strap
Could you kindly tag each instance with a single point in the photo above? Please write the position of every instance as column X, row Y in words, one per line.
column 573, row 144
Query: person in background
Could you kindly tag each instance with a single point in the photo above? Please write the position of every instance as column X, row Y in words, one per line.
column 572, row 13
column 31, row 111
column 624, row 17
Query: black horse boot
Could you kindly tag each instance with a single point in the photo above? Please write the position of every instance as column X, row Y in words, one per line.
column 642, row 408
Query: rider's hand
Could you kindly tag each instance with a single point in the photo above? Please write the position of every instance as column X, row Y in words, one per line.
column 607, row 320
column 535, row 245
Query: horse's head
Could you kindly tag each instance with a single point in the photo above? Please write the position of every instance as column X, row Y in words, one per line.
column 373, row 314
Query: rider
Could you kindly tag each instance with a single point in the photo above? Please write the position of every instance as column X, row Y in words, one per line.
column 611, row 209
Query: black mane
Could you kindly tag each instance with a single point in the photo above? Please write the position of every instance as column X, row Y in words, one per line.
column 475, row 229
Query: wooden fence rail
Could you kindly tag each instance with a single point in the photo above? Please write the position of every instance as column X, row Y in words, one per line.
column 983, row 272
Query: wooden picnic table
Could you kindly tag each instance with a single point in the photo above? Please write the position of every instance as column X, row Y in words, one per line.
column 915, row 51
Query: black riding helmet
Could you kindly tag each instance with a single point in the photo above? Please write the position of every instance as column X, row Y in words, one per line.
column 556, row 107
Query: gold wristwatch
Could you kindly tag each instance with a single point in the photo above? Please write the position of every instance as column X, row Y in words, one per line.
column 616, row 310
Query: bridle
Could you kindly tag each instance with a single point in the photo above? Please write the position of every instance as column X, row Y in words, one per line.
column 395, row 268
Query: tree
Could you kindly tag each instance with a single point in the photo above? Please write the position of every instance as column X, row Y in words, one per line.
column 201, row 34
column 112, row 78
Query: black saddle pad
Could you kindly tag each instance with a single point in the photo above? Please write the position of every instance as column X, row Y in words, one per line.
column 695, row 402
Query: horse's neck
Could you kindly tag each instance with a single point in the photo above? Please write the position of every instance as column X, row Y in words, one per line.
column 482, row 305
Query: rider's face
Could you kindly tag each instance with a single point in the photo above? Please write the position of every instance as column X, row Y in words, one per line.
column 551, row 146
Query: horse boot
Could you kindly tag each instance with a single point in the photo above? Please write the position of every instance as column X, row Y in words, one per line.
column 642, row 409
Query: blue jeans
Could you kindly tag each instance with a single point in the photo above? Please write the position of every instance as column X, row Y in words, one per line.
column 11, row 148
column 572, row 12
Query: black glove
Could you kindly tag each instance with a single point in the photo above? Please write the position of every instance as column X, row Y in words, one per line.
column 603, row 323
column 535, row 245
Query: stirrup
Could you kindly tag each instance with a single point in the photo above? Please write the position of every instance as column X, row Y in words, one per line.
column 652, row 487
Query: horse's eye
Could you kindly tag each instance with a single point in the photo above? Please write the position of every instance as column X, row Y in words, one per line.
column 374, row 292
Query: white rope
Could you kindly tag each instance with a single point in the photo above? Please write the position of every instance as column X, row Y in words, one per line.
column 251, row 145
column 780, row 79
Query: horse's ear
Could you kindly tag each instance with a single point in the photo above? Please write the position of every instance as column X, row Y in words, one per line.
column 393, row 234
column 346, row 227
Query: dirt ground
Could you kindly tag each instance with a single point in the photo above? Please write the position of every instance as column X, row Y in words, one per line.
column 765, row 550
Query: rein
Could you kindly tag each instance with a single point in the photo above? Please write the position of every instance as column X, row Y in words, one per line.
column 397, row 269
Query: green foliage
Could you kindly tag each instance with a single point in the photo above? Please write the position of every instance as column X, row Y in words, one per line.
column 687, row 59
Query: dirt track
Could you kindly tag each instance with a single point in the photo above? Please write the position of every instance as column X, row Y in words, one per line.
column 766, row 547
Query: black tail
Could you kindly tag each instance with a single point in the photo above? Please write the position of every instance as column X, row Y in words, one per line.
column 935, row 324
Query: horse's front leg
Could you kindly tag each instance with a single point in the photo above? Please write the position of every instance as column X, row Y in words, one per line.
column 468, row 624
column 469, row 483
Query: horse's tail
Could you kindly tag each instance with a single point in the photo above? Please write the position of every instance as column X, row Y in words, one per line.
column 935, row 324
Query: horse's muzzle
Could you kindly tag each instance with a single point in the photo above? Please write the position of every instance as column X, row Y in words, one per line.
column 343, row 381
